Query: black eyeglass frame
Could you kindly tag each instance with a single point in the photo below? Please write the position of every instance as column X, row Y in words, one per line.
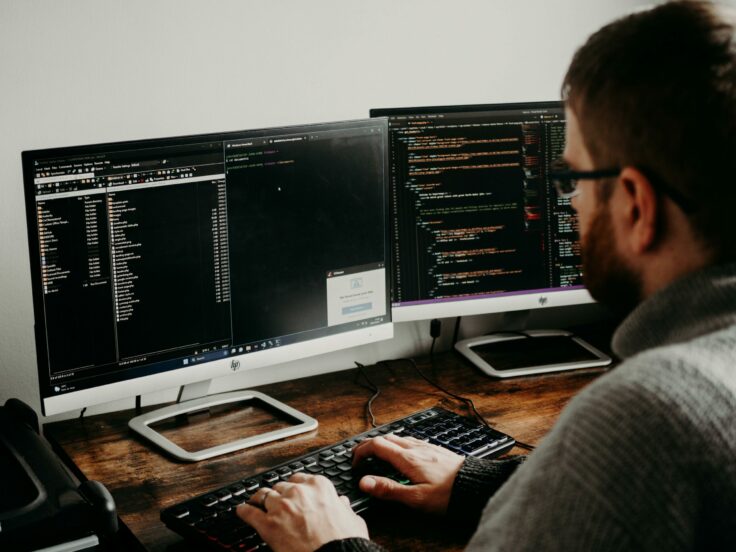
column 560, row 178
column 565, row 176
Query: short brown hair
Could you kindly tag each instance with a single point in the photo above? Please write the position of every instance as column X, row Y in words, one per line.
column 657, row 90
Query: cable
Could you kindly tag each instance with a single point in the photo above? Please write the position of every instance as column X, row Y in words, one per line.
column 457, row 330
column 81, row 414
column 373, row 387
column 466, row 400
column 137, row 404
column 435, row 330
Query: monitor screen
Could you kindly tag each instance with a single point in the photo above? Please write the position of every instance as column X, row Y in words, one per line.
column 476, row 226
column 162, row 262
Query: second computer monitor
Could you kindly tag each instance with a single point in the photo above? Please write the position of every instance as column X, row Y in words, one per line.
column 476, row 225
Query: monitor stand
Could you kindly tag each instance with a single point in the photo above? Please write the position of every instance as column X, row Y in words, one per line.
column 516, row 351
column 193, row 398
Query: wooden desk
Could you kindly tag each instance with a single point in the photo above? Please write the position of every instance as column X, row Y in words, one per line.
column 143, row 481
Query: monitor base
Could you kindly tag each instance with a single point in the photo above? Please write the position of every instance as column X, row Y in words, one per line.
column 516, row 355
column 142, row 424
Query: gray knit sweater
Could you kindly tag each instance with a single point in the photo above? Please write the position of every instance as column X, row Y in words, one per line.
column 645, row 457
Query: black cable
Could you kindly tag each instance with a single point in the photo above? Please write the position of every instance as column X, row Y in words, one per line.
column 466, row 400
column 373, row 387
column 457, row 330
column 435, row 330
column 81, row 414
column 137, row 404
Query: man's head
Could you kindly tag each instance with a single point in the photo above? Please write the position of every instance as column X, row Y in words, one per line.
column 654, row 94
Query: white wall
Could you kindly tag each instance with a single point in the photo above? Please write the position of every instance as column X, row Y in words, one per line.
column 88, row 71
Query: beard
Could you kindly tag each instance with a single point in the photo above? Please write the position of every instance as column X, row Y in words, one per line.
column 606, row 274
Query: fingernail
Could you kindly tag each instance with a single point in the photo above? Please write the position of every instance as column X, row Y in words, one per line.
column 368, row 483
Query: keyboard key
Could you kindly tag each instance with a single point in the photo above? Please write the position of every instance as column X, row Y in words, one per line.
column 205, row 524
column 180, row 512
column 474, row 447
column 284, row 472
column 251, row 485
column 229, row 539
column 236, row 501
column 236, row 489
column 337, row 482
column 209, row 500
column 193, row 518
column 248, row 544
column 223, row 495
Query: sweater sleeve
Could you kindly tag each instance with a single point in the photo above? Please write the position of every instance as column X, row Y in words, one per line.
column 351, row 545
column 475, row 483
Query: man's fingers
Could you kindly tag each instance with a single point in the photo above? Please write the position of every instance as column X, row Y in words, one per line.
column 403, row 442
column 251, row 515
column 386, row 489
column 300, row 477
column 383, row 449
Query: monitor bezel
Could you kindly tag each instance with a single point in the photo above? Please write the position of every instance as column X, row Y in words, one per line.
column 485, row 304
column 131, row 387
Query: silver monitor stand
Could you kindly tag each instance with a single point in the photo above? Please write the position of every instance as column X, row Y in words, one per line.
column 194, row 398
column 514, row 351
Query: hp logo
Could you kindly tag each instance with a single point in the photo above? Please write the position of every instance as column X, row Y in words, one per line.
column 542, row 301
column 235, row 365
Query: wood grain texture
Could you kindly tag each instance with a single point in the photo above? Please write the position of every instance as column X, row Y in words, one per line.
column 143, row 481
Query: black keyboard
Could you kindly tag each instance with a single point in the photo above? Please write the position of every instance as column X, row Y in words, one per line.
column 210, row 518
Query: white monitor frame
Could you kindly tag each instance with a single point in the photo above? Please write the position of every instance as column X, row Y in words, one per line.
column 76, row 400
column 489, row 304
column 366, row 327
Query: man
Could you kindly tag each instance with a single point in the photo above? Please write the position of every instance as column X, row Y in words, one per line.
column 645, row 457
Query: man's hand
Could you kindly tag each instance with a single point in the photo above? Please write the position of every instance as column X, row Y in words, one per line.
column 431, row 470
column 301, row 514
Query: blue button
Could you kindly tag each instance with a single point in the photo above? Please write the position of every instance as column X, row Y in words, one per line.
column 352, row 309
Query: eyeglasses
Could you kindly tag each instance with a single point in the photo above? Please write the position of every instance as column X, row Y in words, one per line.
column 566, row 181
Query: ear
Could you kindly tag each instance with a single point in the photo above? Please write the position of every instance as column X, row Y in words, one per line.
column 639, row 212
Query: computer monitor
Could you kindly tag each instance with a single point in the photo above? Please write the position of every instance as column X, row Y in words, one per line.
column 165, row 262
column 476, row 226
